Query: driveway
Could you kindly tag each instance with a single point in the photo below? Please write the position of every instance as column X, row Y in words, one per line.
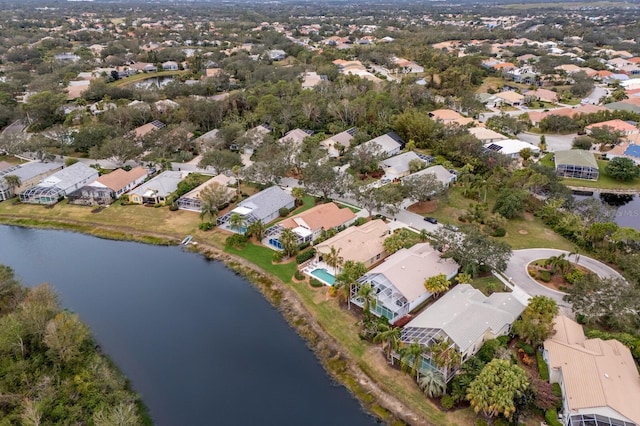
column 554, row 142
column 517, row 273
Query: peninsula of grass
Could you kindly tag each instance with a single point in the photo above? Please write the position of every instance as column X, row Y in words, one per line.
column 144, row 76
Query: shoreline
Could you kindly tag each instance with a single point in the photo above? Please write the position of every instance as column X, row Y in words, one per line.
column 335, row 359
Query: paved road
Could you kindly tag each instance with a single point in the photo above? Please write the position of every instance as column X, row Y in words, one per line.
column 594, row 97
column 517, row 272
column 554, row 142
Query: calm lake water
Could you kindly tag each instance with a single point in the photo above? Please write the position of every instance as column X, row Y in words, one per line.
column 198, row 342
column 627, row 207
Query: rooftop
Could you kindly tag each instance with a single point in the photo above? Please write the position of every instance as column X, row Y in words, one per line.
column 577, row 157
column 358, row 243
column 323, row 216
column 162, row 185
column 264, row 203
column 119, row 178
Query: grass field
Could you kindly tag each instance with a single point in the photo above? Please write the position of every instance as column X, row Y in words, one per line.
column 489, row 284
column 144, row 76
column 604, row 181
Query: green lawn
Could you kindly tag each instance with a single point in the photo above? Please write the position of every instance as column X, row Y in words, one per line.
column 489, row 284
column 604, row 181
column 262, row 257
column 10, row 159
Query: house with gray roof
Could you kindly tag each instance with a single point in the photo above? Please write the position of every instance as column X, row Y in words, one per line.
column 398, row 165
column 465, row 318
column 576, row 163
column 264, row 206
column 158, row 189
column 398, row 282
column 30, row 174
column 55, row 187
column 388, row 144
column 443, row 175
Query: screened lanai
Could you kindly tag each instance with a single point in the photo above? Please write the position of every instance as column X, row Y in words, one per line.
column 390, row 303
column 42, row 195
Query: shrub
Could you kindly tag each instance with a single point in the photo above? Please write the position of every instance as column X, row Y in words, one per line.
column 223, row 206
column 543, row 369
column 481, row 422
column 504, row 340
column 573, row 276
column 544, row 276
column 557, row 392
column 298, row 275
column 500, row 422
column 527, row 349
column 173, row 207
column 304, row 245
column 359, row 221
column 70, row 161
column 315, row 283
column 447, row 402
column 500, row 232
column 305, row 255
column 283, row 211
column 551, row 417
column 532, row 272
column 157, row 205
column 206, row 226
column 237, row 241
column 277, row 257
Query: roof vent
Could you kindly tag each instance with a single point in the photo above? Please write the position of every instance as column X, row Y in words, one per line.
column 606, row 375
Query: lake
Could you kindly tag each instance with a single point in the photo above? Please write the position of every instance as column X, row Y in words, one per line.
column 198, row 342
column 627, row 207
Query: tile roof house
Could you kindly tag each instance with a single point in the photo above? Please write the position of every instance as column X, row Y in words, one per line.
column 629, row 148
column 29, row 173
column 510, row 98
column 466, row 318
column 485, row 135
column 142, row 131
column 598, row 378
column 308, row 225
column 537, row 116
column 362, row 243
column 399, row 280
column 108, row 187
column 58, row 185
column 343, row 139
column 543, row 95
column 158, row 189
column 617, row 125
column 449, row 116
column 264, row 206
column 442, row 174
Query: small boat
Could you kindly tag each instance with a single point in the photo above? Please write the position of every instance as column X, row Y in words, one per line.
column 187, row 240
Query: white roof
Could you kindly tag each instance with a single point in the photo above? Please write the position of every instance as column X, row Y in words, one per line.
column 442, row 174
column 386, row 142
column 70, row 176
column 465, row 314
column 512, row 146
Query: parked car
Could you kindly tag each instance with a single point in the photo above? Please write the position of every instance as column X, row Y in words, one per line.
column 431, row 220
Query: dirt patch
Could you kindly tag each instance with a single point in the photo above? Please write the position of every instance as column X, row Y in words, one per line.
column 528, row 217
column 423, row 207
column 523, row 232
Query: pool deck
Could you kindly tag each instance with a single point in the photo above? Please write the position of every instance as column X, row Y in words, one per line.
column 317, row 264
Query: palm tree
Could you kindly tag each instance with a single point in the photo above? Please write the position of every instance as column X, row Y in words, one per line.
column 289, row 241
column 237, row 222
column 424, row 235
column 445, row 356
column 560, row 263
column 432, row 383
column 368, row 296
column 236, row 171
column 257, row 230
column 208, row 208
column 333, row 258
column 411, row 358
column 12, row 182
column 298, row 193
column 389, row 337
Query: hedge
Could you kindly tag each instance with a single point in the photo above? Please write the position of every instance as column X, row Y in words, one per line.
column 543, row 369
column 315, row 283
column 305, row 255
column 551, row 417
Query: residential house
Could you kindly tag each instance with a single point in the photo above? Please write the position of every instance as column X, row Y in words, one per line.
column 193, row 202
column 29, row 174
column 576, row 163
column 144, row 67
column 277, row 54
column 398, row 282
column 443, row 175
column 295, row 137
column 387, row 145
column 165, row 105
column 621, row 127
column 628, row 149
column 142, row 131
column 334, row 143
column 308, row 225
column 511, row 147
column 464, row 317
column 449, row 116
column 598, row 378
column 569, row 68
column 485, row 135
column 311, row 79
column 399, row 165
column 510, row 98
column 158, row 189
column 107, row 188
column 543, row 95
column 537, row 116
column 362, row 243
column 55, row 187
column 264, row 207
column 408, row 67
column 170, row 66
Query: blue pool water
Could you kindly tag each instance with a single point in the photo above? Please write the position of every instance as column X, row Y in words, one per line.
column 323, row 275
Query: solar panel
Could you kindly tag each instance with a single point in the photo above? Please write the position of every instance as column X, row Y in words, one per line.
column 352, row 131
column 494, row 147
column 158, row 124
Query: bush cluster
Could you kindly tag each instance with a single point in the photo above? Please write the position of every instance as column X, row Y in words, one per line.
column 305, row 255
column 237, row 241
column 315, row 283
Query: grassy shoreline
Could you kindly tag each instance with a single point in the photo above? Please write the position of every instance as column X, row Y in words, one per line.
column 328, row 329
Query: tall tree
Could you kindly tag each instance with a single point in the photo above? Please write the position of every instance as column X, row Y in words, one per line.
column 389, row 336
column 497, row 386
column 289, row 241
column 333, row 258
column 237, row 222
column 118, row 149
column 13, row 182
column 437, row 284
column 622, row 169
column 257, row 230
column 411, row 358
column 423, row 187
column 536, row 322
column 221, row 160
column 368, row 296
column 64, row 336
column 432, row 383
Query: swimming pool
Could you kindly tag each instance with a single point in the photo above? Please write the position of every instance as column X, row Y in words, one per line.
column 324, row 276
